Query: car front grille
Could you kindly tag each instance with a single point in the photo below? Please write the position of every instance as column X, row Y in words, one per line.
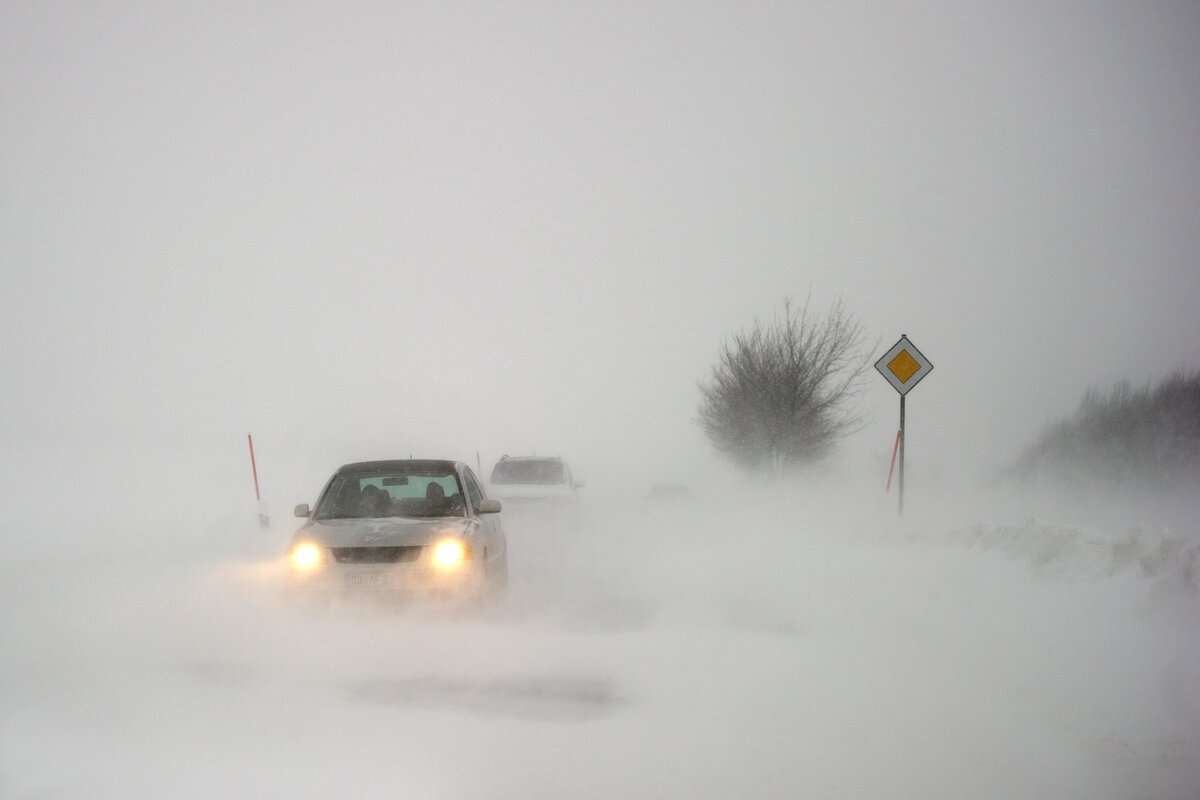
column 376, row 555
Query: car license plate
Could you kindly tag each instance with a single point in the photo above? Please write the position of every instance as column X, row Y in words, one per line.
column 367, row 580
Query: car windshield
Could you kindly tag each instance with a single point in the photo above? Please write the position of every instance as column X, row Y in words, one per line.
column 393, row 493
column 528, row 470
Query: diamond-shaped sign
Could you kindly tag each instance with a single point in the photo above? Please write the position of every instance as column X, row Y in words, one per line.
column 904, row 366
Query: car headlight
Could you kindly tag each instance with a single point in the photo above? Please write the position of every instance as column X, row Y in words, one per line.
column 306, row 557
column 449, row 554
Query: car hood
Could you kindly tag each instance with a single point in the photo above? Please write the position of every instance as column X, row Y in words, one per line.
column 384, row 532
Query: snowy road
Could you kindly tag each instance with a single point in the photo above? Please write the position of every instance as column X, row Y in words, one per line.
column 655, row 664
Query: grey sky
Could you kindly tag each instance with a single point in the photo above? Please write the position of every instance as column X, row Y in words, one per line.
column 460, row 226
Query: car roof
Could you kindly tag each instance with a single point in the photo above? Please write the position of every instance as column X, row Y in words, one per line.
column 531, row 458
column 399, row 464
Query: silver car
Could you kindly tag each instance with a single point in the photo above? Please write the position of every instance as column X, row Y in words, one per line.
column 400, row 529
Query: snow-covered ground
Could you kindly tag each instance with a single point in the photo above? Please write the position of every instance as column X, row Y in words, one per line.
column 713, row 654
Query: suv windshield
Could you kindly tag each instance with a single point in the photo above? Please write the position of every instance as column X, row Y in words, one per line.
column 529, row 470
column 393, row 493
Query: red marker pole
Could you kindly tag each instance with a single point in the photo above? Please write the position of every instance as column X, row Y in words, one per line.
column 892, row 467
column 263, row 520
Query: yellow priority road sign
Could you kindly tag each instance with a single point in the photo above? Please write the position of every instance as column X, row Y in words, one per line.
column 904, row 366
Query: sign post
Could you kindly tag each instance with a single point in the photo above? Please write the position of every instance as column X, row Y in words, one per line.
column 900, row 484
column 903, row 367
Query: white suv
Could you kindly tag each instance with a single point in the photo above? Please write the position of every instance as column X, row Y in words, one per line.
column 534, row 479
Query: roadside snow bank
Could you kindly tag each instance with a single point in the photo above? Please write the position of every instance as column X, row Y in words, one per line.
column 1072, row 553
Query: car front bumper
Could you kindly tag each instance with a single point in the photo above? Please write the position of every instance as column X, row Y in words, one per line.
column 387, row 582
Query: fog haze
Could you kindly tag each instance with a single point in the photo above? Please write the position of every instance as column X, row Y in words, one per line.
column 553, row 210
column 458, row 231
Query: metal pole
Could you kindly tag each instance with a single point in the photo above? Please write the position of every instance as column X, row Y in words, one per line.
column 902, row 438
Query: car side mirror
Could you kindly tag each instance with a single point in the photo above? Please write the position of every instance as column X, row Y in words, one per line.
column 302, row 510
column 489, row 507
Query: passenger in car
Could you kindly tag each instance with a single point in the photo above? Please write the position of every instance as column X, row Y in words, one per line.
column 375, row 502
column 435, row 498
column 441, row 504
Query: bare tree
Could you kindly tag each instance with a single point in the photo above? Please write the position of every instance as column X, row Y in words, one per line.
column 778, row 394
column 1148, row 436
